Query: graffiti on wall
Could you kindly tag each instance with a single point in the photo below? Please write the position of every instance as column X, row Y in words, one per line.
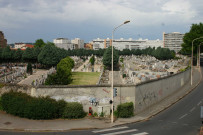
column 84, row 99
column 94, row 101
column 105, row 90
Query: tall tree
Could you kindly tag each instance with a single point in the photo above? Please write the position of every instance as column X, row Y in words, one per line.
column 92, row 60
column 18, row 55
column 107, row 57
column 36, row 52
column 39, row 43
column 196, row 31
column 6, row 54
column 49, row 56
column 64, row 74
column 50, row 43
column 28, row 55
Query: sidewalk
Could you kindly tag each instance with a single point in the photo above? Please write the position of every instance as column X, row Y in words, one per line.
column 9, row 122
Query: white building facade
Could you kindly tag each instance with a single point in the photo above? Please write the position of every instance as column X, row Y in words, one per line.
column 19, row 45
column 64, row 43
column 173, row 41
column 78, row 43
column 69, row 44
column 130, row 43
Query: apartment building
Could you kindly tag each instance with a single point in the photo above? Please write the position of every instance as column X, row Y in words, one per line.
column 130, row 43
column 22, row 46
column 3, row 41
column 64, row 43
column 69, row 44
column 78, row 43
column 173, row 41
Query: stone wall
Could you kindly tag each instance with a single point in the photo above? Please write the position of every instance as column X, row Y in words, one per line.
column 16, row 87
column 142, row 95
column 152, row 92
column 98, row 96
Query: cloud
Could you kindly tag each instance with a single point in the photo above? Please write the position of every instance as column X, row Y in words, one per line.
column 98, row 14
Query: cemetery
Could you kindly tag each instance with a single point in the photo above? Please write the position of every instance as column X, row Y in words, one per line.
column 137, row 69
column 133, row 70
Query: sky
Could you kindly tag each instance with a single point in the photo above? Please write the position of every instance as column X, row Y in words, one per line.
column 29, row 20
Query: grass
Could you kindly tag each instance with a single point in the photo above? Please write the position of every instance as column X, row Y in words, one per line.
column 85, row 78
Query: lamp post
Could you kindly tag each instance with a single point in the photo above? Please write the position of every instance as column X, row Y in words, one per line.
column 199, row 55
column 112, row 109
column 192, row 57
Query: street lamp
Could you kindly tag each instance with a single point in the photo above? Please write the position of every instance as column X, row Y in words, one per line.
column 198, row 59
column 112, row 68
column 192, row 56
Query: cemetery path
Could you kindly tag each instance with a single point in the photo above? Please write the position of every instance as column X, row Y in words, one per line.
column 116, row 77
column 34, row 76
column 82, row 66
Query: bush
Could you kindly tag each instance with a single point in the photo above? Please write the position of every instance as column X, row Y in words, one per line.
column 0, row 104
column 29, row 68
column 73, row 110
column 95, row 114
column 23, row 105
column 61, row 107
column 125, row 110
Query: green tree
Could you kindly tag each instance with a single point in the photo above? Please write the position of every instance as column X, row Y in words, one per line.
column 50, row 43
column 18, row 55
column 28, row 55
column 64, row 68
column 29, row 68
column 196, row 31
column 39, row 43
column 7, row 54
column 63, row 75
column 107, row 57
column 36, row 52
column 92, row 60
column 1, row 51
column 48, row 56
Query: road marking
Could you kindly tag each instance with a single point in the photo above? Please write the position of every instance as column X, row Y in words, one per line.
column 183, row 116
column 121, row 132
column 192, row 109
column 199, row 103
column 143, row 133
column 110, row 129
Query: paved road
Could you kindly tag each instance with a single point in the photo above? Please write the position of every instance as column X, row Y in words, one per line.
column 183, row 118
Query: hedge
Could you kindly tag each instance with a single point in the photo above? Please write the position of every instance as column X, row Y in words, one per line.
column 73, row 110
column 125, row 110
column 0, row 104
column 23, row 105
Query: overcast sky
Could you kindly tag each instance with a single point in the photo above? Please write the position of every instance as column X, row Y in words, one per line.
column 28, row 20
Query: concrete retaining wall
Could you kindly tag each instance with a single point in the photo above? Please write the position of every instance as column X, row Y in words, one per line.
column 150, row 93
column 98, row 96
column 16, row 87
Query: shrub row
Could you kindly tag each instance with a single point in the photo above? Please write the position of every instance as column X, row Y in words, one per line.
column 73, row 110
column 23, row 105
column 0, row 104
column 125, row 110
